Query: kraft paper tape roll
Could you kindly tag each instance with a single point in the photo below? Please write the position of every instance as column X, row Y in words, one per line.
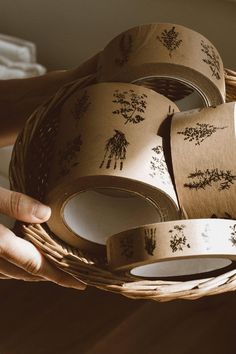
column 174, row 60
column 175, row 248
column 203, row 149
column 108, row 171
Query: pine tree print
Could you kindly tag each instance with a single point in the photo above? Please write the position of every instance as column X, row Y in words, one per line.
column 206, row 178
column 170, row 40
column 211, row 59
column 233, row 235
column 115, row 151
column 81, row 106
column 150, row 240
column 199, row 133
column 177, row 239
column 132, row 106
column 68, row 155
column 125, row 46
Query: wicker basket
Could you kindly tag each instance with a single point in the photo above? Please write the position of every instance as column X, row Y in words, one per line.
column 83, row 266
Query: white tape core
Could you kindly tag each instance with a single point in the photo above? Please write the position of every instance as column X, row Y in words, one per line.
column 96, row 215
column 180, row 267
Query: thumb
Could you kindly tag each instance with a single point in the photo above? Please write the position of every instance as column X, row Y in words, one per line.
column 22, row 207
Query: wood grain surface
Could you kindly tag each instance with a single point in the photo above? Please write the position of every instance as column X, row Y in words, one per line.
column 46, row 319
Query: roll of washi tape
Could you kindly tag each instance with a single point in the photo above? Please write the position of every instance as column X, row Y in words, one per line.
column 203, row 146
column 108, row 171
column 173, row 60
column 174, row 248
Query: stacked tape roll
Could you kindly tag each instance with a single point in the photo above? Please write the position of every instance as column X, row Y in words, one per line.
column 98, row 153
column 174, row 248
column 108, row 171
column 172, row 59
column 203, row 146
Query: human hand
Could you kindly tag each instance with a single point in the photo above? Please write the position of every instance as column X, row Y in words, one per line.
column 19, row 259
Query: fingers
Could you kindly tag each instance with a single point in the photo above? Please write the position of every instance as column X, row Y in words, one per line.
column 22, row 207
column 9, row 270
column 26, row 256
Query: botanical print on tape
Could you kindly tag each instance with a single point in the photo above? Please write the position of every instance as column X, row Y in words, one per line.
column 115, row 151
column 200, row 132
column 68, row 155
column 211, row 59
column 170, row 40
column 132, row 106
column 127, row 246
column 150, row 240
column 81, row 106
column 125, row 47
column 177, row 239
column 205, row 236
column 158, row 165
column 207, row 178
column 233, row 235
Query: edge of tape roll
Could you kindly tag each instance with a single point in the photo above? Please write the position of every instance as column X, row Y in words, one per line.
column 107, row 138
column 173, row 241
column 163, row 51
column 207, row 179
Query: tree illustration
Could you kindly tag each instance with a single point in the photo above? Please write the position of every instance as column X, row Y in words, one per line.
column 127, row 246
column 68, row 155
column 81, row 106
column 199, row 133
column 212, row 59
column 125, row 46
column 115, row 150
column 170, row 40
column 131, row 105
column 158, row 164
column 233, row 235
column 150, row 240
column 177, row 239
column 206, row 178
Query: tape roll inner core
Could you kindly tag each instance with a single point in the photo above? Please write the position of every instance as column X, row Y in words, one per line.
column 100, row 213
column 180, row 267
column 184, row 95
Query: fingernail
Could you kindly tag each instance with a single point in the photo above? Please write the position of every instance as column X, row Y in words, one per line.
column 42, row 211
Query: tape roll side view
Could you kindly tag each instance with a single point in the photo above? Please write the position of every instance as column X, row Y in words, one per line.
column 174, row 248
column 172, row 59
column 107, row 147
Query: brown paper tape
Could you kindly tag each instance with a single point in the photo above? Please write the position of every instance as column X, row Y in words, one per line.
column 174, row 248
column 107, row 149
column 174, row 60
column 203, row 149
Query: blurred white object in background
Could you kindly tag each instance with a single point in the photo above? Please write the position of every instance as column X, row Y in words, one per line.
column 18, row 59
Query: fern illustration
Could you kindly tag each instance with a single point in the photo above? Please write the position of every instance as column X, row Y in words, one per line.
column 170, row 40
column 233, row 235
column 158, row 165
column 125, row 46
column 150, row 240
column 177, row 239
column 131, row 106
column 200, row 132
column 212, row 59
column 206, row 178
